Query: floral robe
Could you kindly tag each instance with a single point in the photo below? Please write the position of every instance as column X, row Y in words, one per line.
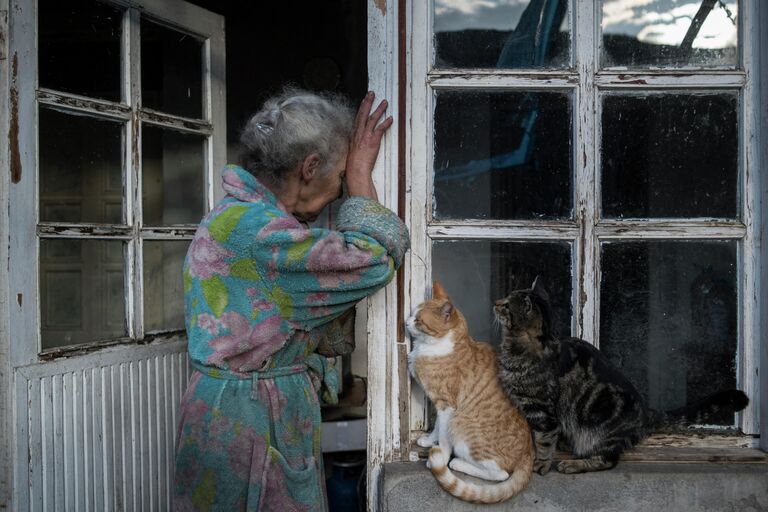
column 263, row 295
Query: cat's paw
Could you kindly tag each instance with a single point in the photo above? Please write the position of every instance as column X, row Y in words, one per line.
column 426, row 441
column 542, row 467
column 570, row 467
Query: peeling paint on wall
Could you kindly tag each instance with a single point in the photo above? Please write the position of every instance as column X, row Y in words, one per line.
column 13, row 130
column 3, row 34
column 381, row 5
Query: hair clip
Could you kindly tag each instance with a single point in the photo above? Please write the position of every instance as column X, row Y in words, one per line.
column 264, row 128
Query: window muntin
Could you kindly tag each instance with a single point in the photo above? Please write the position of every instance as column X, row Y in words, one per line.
column 501, row 34
column 502, row 155
column 670, row 34
column 88, row 177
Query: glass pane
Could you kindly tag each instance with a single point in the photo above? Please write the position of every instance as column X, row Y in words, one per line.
column 670, row 33
column 670, row 155
column 668, row 318
column 81, row 168
column 75, row 39
column 163, row 285
column 82, row 293
column 476, row 273
column 171, row 71
column 502, row 34
column 502, row 155
column 173, row 168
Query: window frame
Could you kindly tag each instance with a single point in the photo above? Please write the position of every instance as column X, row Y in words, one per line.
column 587, row 82
column 27, row 230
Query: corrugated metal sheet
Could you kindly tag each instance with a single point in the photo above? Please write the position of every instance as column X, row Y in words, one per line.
column 103, row 438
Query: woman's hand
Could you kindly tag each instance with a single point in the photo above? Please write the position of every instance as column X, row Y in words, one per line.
column 364, row 147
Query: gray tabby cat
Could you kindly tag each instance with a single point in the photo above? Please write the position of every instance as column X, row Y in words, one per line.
column 567, row 388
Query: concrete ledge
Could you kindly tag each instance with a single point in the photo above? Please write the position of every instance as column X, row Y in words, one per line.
column 631, row 486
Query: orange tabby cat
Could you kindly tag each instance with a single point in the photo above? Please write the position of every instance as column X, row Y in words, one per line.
column 475, row 420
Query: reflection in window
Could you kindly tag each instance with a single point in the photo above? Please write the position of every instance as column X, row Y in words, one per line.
column 501, row 34
column 81, row 176
column 171, row 71
column 668, row 318
column 173, row 168
column 670, row 155
column 163, row 285
column 502, row 155
column 476, row 273
column 79, row 47
column 662, row 33
column 82, row 295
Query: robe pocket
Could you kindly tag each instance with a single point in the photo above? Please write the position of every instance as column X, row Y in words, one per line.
column 286, row 486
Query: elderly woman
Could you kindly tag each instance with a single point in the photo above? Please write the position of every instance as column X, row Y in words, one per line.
column 266, row 298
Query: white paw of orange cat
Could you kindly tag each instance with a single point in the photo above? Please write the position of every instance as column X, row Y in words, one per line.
column 426, row 441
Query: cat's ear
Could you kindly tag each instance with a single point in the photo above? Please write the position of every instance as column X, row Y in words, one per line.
column 438, row 292
column 539, row 290
column 527, row 305
column 447, row 310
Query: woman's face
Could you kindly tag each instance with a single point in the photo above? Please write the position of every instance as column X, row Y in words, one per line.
column 320, row 191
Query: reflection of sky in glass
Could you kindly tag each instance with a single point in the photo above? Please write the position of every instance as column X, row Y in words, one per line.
column 451, row 15
column 667, row 21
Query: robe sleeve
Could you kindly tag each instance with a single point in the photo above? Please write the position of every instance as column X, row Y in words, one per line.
column 314, row 275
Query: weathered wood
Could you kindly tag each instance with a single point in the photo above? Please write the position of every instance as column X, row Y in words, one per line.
column 497, row 230
column 172, row 122
column 753, row 195
column 94, row 107
column 506, row 81
column 383, row 381
column 760, row 215
column 693, row 80
column 668, row 454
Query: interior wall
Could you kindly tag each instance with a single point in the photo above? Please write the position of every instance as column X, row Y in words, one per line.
column 320, row 46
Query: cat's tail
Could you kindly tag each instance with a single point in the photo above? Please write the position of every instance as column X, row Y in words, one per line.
column 479, row 493
column 701, row 413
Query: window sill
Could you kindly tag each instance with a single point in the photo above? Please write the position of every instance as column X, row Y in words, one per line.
column 661, row 479
column 682, row 447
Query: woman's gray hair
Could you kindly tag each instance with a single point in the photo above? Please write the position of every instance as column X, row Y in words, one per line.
column 290, row 127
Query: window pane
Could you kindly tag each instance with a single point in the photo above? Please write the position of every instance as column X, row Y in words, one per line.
column 476, row 273
column 502, row 34
column 670, row 33
column 82, row 294
column 171, row 71
column 502, row 155
column 670, row 155
column 668, row 318
column 81, row 168
column 172, row 176
column 79, row 47
column 163, row 285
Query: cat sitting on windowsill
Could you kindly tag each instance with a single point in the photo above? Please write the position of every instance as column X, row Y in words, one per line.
column 569, row 391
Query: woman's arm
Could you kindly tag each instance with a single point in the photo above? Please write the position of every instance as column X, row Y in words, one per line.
column 316, row 274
